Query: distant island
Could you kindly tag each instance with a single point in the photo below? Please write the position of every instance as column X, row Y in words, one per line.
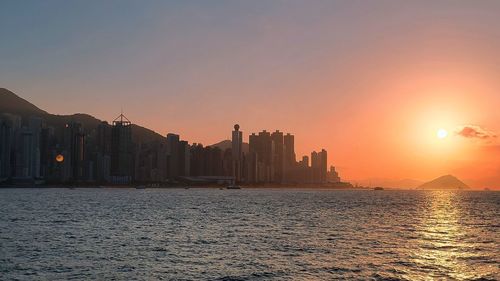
column 444, row 182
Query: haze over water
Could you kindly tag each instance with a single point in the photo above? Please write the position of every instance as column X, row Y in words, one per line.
column 249, row 234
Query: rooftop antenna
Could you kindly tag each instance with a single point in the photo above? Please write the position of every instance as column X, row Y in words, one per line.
column 122, row 119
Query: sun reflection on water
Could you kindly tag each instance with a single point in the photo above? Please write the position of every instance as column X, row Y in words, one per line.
column 443, row 245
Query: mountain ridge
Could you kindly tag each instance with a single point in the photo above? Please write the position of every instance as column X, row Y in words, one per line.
column 444, row 182
column 225, row 144
column 12, row 103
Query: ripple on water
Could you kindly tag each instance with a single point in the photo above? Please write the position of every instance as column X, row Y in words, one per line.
column 253, row 234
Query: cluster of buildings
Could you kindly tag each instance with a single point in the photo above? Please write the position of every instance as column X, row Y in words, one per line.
column 31, row 152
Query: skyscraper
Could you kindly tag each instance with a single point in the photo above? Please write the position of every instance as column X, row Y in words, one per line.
column 103, row 152
column 184, row 158
column 289, row 161
column 319, row 167
column 289, row 150
column 24, row 155
column 121, row 151
column 262, row 145
column 6, row 132
column 173, row 157
column 74, row 146
column 278, row 160
column 237, row 153
column 323, row 166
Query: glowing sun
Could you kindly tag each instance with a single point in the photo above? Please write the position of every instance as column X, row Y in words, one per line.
column 442, row 133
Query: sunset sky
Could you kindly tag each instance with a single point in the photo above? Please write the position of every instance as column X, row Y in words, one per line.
column 372, row 82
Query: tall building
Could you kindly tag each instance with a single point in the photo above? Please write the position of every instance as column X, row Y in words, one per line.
column 319, row 167
column 121, row 151
column 289, row 150
column 103, row 152
column 262, row 145
column 237, row 153
column 278, row 156
column 323, row 166
column 6, row 135
column 24, row 155
column 35, row 126
column 184, row 158
column 315, row 167
column 173, row 157
column 74, row 156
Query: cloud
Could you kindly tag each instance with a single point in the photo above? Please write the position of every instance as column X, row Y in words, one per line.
column 474, row 131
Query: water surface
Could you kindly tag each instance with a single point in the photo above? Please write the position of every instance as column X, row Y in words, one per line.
column 248, row 234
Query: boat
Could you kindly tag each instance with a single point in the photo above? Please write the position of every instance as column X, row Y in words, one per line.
column 233, row 187
column 378, row 188
column 140, row 187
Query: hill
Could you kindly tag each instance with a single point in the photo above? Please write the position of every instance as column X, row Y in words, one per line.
column 444, row 182
column 12, row 103
column 225, row 144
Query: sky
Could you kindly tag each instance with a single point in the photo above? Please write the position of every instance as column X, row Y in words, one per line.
column 372, row 82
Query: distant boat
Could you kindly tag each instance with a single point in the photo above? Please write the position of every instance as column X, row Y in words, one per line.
column 378, row 188
column 233, row 187
column 140, row 187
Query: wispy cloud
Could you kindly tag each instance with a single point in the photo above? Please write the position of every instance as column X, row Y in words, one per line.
column 474, row 131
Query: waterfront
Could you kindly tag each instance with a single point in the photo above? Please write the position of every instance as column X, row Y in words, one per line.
column 248, row 234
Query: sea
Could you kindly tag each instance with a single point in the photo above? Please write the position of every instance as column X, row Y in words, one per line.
column 248, row 234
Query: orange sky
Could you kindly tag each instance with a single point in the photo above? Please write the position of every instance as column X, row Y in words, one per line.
column 371, row 83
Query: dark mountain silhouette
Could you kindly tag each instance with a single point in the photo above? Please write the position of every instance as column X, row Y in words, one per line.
column 444, row 182
column 13, row 104
column 225, row 144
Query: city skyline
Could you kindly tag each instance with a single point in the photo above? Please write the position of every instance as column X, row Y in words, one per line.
column 365, row 81
column 37, row 149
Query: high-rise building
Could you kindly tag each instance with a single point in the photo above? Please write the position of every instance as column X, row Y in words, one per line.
column 289, row 150
column 278, row 156
column 262, row 145
column 103, row 152
column 184, row 158
column 237, row 153
column 319, row 167
column 173, row 143
column 24, row 155
column 6, row 135
column 35, row 126
column 74, row 156
column 323, row 166
column 121, row 151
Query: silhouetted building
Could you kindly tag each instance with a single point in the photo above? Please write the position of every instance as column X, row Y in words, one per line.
column 184, row 158
column 319, row 166
column 103, row 152
column 237, row 153
column 262, row 145
column 173, row 156
column 289, row 165
column 74, row 152
column 24, row 155
column 278, row 156
column 333, row 176
column 121, row 151
column 6, row 137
